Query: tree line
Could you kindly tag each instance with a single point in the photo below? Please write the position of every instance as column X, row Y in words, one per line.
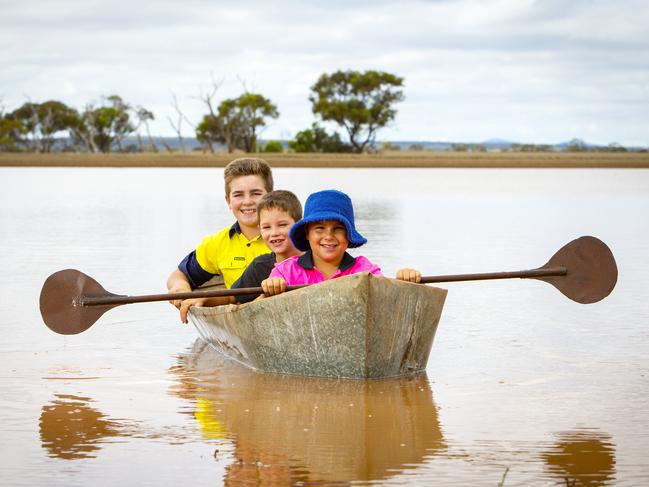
column 360, row 103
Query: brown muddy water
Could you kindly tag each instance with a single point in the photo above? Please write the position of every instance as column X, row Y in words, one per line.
column 523, row 386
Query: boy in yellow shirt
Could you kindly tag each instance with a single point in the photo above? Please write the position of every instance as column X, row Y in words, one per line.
column 230, row 251
column 277, row 212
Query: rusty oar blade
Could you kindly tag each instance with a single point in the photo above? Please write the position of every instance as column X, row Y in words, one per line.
column 71, row 301
column 592, row 272
column 61, row 306
column 584, row 270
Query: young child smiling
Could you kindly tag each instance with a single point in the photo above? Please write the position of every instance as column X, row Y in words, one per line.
column 324, row 234
column 278, row 211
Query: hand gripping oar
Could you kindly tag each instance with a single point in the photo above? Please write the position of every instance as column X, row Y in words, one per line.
column 584, row 270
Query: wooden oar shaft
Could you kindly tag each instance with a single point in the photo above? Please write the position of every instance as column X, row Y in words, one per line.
column 532, row 273
column 584, row 270
column 114, row 299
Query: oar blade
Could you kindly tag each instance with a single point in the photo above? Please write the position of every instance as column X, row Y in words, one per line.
column 59, row 305
column 592, row 271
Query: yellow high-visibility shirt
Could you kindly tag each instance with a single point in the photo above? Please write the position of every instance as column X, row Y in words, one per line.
column 226, row 253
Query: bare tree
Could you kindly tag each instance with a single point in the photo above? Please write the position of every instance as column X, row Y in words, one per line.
column 167, row 147
column 208, row 99
column 84, row 131
column 177, row 126
column 143, row 116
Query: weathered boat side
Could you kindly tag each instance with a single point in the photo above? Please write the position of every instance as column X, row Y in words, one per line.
column 358, row 326
column 402, row 322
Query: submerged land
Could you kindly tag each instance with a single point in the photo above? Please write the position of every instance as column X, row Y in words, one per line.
column 389, row 159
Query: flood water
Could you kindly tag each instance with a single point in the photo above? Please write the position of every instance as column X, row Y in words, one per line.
column 523, row 386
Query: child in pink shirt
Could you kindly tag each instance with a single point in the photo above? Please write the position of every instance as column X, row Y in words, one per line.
column 325, row 233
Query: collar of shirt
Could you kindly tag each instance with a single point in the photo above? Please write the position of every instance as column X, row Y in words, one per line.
column 306, row 261
column 236, row 229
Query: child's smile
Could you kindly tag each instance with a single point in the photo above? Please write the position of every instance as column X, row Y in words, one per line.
column 245, row 193
column 274, row 226
column 328, row 241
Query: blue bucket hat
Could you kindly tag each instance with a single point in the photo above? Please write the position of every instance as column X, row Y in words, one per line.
column 329, row 204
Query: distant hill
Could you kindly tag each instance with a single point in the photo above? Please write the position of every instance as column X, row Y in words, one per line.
column 491, row 144
column 498, row 144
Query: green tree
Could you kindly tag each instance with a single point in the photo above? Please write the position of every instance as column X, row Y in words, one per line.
column 531, row 147
column 360, row 102
column 143, row 117
column 254, row 109
column 102, row 127
column 11, row 131
column 615, row 147
column 224, row 127
column 389, row 146
column 316, row 139
column 273, row 146
column 237, row 122
column 40, row 122
column 209, row 131
column 460, row 147
column 576, row 145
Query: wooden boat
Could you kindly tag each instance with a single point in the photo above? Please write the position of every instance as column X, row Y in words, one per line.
column 360, row 326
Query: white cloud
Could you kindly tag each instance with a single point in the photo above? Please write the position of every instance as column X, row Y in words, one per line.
column 538, row 71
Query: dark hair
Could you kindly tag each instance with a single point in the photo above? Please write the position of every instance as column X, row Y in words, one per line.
column 281, row 200
column 248, row 166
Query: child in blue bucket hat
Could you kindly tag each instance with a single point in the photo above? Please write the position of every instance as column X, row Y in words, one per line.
column 324, row 234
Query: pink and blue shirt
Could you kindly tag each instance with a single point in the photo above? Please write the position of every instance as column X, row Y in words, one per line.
column 301, row 270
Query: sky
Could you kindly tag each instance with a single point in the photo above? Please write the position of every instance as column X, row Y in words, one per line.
column 543, row 71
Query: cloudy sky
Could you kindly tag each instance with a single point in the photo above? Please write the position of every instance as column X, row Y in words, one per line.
column 540, row 71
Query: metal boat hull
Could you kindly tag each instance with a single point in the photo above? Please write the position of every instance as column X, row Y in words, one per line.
column 360, row 326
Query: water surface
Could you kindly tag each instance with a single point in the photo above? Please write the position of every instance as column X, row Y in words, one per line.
column 522, row 384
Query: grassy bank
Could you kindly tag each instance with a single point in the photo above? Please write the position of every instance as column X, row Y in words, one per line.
column 387, row 159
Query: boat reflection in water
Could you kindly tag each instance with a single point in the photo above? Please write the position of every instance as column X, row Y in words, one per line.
column 582, row 457
column 72, row 429
column 296, row 429
column 289, row 430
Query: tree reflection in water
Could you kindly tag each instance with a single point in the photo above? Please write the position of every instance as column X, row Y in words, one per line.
column 582, row 457
column 71, row 429
column 303, row 429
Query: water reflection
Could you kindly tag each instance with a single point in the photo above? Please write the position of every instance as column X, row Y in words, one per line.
column 71, row 429
column 297, row 429
column 582, row 457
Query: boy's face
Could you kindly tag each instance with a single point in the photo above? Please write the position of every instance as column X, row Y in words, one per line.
column 245, row 193
column 328, row 240
column 274, row 225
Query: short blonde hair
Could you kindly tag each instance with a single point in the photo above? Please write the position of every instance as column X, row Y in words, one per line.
column 248, row 166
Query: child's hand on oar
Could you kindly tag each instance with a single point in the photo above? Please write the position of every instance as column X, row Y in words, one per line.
column 179, row 288
column 273, row 286
column 411, row 275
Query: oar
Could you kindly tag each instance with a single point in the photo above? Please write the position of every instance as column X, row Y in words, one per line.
column 584, row 270
column 71, row 302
